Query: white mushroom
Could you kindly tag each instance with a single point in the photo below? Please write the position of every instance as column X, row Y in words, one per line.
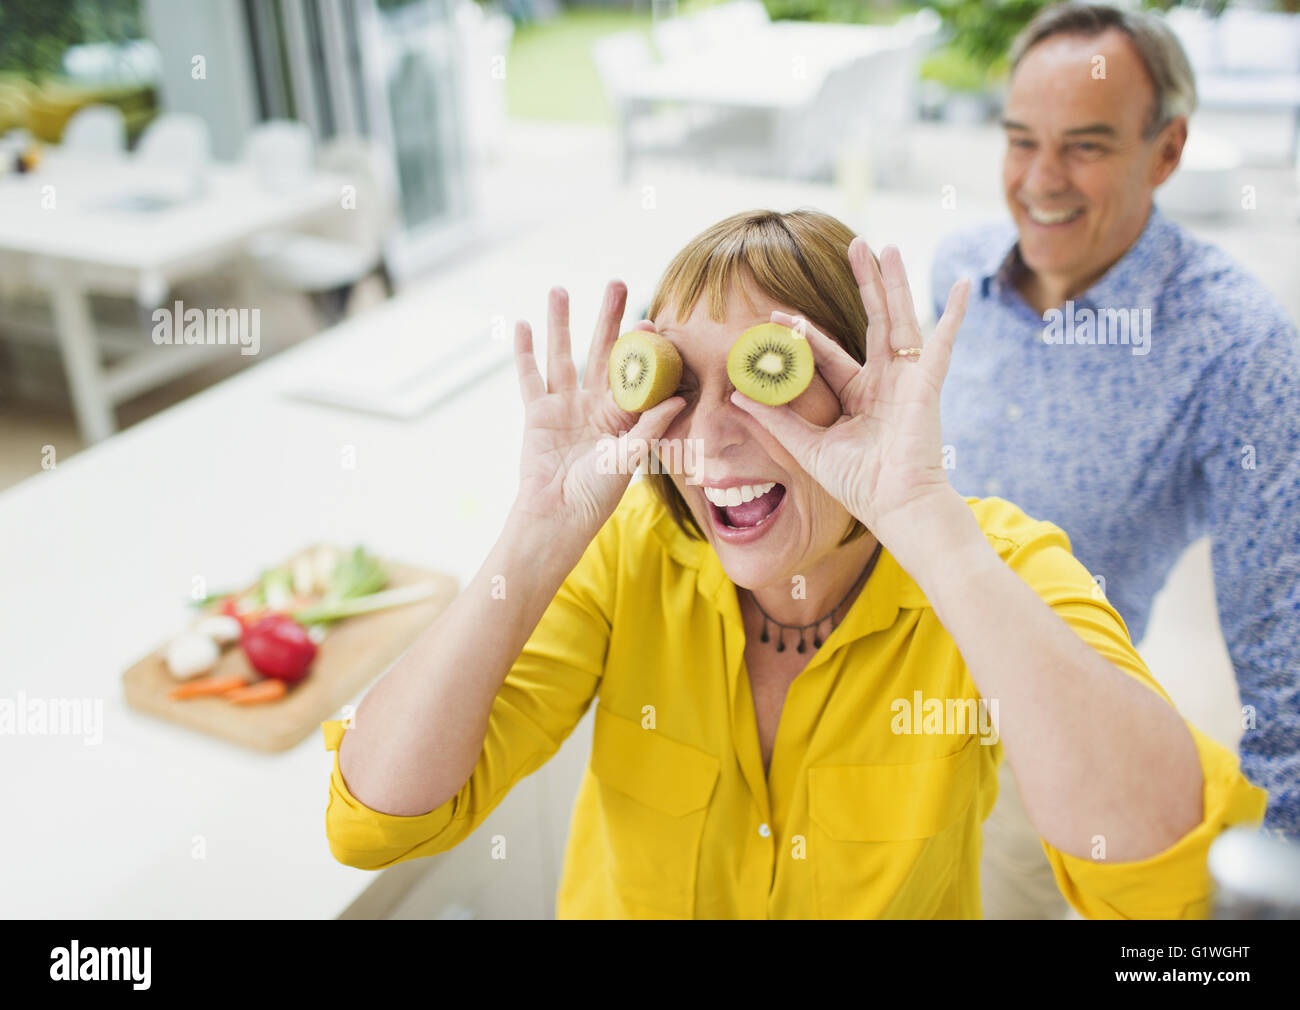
column 324, row 560
column 191, row 654
column 304, row 575
column 221, row 629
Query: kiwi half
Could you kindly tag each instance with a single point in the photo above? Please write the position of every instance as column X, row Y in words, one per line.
column 644, row 369
column 770, row 363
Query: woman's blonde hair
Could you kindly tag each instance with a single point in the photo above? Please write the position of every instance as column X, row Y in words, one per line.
column 799, row 259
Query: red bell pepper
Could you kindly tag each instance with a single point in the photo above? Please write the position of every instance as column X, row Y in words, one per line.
column 278, row 646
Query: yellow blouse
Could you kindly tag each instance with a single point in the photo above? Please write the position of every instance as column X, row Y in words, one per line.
column 875, row 798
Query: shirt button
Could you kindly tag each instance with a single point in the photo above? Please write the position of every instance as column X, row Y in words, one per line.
column 1013, row 412
column 993, row 486
column 764, row 830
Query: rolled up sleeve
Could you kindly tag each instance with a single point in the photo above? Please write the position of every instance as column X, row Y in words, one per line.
column 368, row 839
column 1174, row 883
column 545, row 694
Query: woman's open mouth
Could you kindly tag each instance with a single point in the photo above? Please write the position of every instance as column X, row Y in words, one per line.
column 744, row 512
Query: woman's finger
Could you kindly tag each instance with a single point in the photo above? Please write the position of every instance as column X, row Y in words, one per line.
column 560, row 373
column 798, row 435
column 636, row 444
column 904, row 330
column 938, row 349
column 595, row 376
column 531, row 386
column 835, row 363
column 654, row 422
column 872, row 289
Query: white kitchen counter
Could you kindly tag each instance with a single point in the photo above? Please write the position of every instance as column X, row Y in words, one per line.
column 97, row 558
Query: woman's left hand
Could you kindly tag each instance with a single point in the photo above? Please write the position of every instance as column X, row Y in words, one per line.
column 883, row 457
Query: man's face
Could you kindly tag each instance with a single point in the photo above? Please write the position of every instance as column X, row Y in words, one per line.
column 1078, row 175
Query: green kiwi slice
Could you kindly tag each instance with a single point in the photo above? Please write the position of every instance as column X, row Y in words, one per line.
column 644, row 369
column 770, row 363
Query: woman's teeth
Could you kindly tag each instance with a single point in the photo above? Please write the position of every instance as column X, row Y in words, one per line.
column 722, row 497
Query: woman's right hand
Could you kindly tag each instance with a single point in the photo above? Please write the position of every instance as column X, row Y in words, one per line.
column 565, row 480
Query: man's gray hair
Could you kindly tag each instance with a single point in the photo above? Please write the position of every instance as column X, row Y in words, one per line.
column 1158, row 47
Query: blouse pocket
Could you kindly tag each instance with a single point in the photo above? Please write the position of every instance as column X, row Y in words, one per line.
column 654, row 794
column 888, row 840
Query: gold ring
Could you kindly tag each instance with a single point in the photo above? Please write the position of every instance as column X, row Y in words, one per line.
column 907, row 352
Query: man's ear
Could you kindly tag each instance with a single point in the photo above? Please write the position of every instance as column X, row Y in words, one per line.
column 1169, row 150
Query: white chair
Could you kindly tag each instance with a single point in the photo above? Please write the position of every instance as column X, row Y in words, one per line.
column 866, row 105
column 96, row 130
column 371, row 170
column 681, row 37
column 172, row 159
column 618, row 58
column 281, row 153
column 1205, row 183
column 328, row 266
column 675, row 39
column 729, row 22
column 176, row 141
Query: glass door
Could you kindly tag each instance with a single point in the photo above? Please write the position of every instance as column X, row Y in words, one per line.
column 383, row 69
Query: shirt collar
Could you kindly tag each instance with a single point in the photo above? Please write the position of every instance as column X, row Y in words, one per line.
column 1134, row 280
column 1001, row 261
column 1140, row 274
column 888, row 589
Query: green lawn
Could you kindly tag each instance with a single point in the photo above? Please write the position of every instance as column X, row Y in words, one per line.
column 550, row 74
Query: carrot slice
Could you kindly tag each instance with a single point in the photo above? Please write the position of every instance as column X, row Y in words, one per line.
column 268, row 690
column 207, row 686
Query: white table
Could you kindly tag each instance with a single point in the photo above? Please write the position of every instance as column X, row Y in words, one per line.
column 778, row 91
column 70, row 228
column 99, row 554
column 779, row 67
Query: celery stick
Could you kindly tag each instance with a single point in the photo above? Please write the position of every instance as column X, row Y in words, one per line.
column 335, row 611
column 210, row 599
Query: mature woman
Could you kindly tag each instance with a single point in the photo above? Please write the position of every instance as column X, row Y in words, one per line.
column 796, row 648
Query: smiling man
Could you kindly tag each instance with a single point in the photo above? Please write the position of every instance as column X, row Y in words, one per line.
column 1120, row 378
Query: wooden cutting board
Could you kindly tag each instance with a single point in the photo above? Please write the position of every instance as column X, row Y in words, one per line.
column 356, row 650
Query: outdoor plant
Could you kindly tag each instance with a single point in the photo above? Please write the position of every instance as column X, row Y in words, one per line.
column 34, row 34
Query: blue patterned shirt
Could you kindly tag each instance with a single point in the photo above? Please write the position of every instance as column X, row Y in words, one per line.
column 1141, row 430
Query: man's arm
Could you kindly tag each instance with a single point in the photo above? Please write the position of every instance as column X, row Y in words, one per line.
column 1248, row 441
